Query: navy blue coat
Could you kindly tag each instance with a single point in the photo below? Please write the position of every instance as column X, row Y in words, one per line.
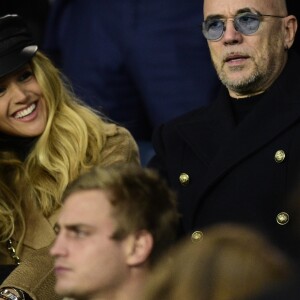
column 141, row 62
column 233, row 174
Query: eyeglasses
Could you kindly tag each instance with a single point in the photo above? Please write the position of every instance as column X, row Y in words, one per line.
column 246, row 23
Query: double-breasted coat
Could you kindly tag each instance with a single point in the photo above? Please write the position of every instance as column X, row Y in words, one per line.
column 245, row 173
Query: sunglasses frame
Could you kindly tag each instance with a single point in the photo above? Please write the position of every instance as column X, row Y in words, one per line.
column 236, row 24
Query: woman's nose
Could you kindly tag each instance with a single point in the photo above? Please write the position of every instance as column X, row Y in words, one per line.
column 18, row 93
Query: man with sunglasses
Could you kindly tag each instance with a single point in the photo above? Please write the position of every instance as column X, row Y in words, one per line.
column 238, row 160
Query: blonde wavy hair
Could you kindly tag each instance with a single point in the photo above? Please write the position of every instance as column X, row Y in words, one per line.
column 69, row 145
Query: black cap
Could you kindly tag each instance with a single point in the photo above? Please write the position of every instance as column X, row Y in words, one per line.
column 16, row 44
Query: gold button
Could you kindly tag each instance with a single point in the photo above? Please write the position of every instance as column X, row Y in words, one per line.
column 279, row 156
column 196, row 236
column 282, row 218
column 184, row 178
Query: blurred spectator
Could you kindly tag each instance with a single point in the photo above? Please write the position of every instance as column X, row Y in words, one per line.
column 140, row 62
column 229, row 262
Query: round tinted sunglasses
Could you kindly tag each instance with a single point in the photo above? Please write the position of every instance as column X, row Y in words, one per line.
column 246, row 23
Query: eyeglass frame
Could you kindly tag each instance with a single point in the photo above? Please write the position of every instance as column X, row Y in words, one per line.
column 235, row 23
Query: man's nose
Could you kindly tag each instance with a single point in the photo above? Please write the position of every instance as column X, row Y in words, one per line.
column 231, row 34
column 58, row 248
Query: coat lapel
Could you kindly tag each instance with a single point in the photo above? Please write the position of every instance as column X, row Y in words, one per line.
column 205, row 134
column 270, row 118
column 39, row 229
column 278, row 109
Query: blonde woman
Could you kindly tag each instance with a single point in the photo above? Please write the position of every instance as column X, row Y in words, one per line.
column 47, row 138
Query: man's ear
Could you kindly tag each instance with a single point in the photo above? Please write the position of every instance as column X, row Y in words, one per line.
column 290, row 31
column 140, row 245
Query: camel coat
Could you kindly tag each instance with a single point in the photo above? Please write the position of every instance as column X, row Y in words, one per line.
column 35, row 274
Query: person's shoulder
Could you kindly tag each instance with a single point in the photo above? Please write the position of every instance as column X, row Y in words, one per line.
column 110, row 129
column 170, row 129
column 119, row 146
column 115, row 130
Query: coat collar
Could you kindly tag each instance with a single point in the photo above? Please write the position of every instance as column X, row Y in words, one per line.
column 278, row 109
column 39, row 229
column 205, row 134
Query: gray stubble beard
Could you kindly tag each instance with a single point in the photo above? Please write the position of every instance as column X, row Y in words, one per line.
column 244, row 86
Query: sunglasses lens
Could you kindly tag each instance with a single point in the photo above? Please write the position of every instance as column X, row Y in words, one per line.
column 247, row 23
column 213, row 29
